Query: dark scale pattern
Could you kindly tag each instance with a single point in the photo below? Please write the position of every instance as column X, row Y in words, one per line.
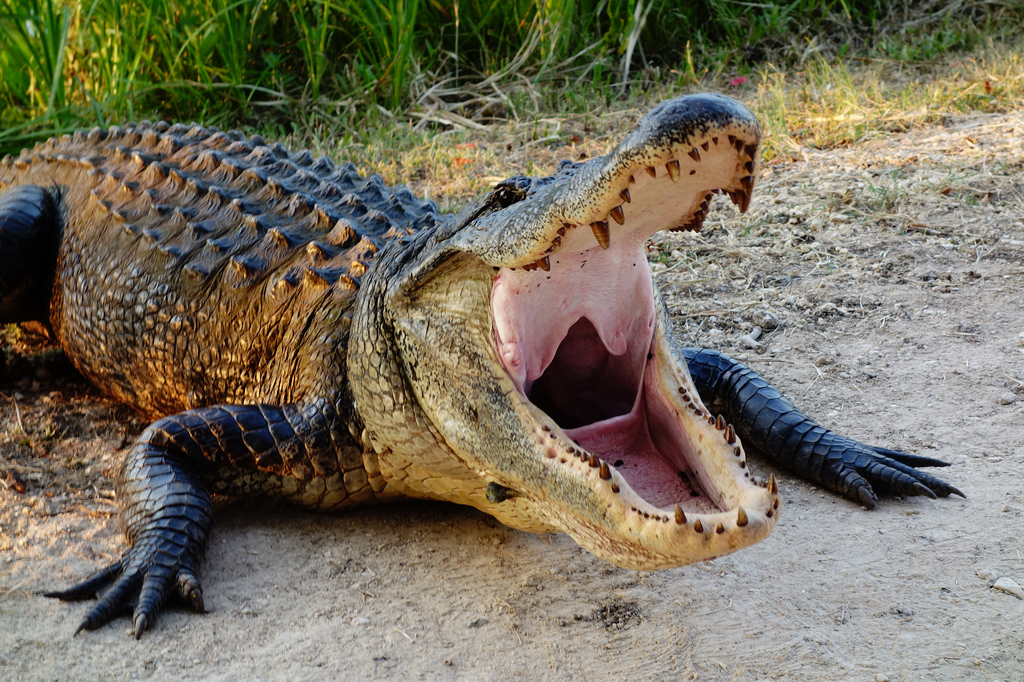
column 213, row 258
column 769, row 423
column 196, row 268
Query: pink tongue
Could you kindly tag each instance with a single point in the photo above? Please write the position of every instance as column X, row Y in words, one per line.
column 625, row 443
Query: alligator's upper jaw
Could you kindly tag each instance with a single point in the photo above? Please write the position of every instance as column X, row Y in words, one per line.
column 578, row 331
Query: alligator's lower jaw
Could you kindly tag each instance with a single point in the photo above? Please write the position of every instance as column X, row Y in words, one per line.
column 671, row 480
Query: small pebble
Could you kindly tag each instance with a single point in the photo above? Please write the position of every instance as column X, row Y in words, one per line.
column 1009, row 585
column 1007, row 398
column 750, row 340
column 360, row 620
column 881, row 678
column 766, row 319
column 988, row 575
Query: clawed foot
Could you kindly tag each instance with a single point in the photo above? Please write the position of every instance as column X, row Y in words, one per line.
column 852, row 468
column 146, row 575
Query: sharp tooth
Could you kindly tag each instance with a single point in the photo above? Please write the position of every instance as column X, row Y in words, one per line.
column 618, row 215
column 748, row 183
column 605, row 473
column 773, row 487
column 563, row 228
column 714, row 140
column 698, row 526
column 601, row 233
column 673, row 169
column 738, row 145
column 594, row 462
column 632, row 180
column 680, row 516
column 705, row 146
column 651, row 171
column 732, row 139
column 694, row 154
column 720, row 528
column 720, row 423
column 545, row 264
column 749, row 165
column 741, row 199
column 750, row 150
column 730, row 434
column 704, row 205
column 556, row 242
column 741, row 517
column 624, row 194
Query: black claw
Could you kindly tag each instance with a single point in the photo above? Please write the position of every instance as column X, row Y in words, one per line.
column 921, row 489
column 866, row 497
column 90, row 587
column 141, row 625
column 950, row 490
column 190, row 590
column 910, row 460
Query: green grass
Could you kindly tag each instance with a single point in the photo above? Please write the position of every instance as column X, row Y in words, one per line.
column 338, row 65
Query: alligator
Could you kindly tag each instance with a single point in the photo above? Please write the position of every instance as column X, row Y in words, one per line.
column 298, row 331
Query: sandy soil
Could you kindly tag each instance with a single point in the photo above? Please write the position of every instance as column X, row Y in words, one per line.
column 889, row 279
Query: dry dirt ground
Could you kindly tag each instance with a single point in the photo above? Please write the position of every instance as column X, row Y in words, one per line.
column 888, row 279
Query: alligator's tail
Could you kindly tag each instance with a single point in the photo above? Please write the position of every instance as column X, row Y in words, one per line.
column 28, row 237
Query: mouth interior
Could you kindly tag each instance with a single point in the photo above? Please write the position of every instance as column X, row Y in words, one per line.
column 585, row 383
column 579, row 342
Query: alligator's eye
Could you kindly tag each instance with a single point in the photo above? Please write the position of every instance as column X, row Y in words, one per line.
column 510, row 191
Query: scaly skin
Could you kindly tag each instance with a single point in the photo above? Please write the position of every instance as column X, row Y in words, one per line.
column 301, row 332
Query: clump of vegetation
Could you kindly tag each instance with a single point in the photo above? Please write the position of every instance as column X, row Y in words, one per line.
column 65, row 65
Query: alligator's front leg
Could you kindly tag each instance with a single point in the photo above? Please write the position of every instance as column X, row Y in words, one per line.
column 768, row 422
column 165, row 504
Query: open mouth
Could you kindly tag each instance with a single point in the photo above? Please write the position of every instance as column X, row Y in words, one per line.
column 577, row 331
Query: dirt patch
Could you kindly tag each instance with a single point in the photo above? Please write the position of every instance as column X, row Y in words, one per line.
column 887, row 282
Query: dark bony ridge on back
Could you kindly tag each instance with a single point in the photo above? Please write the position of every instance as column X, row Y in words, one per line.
column 297, row 330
